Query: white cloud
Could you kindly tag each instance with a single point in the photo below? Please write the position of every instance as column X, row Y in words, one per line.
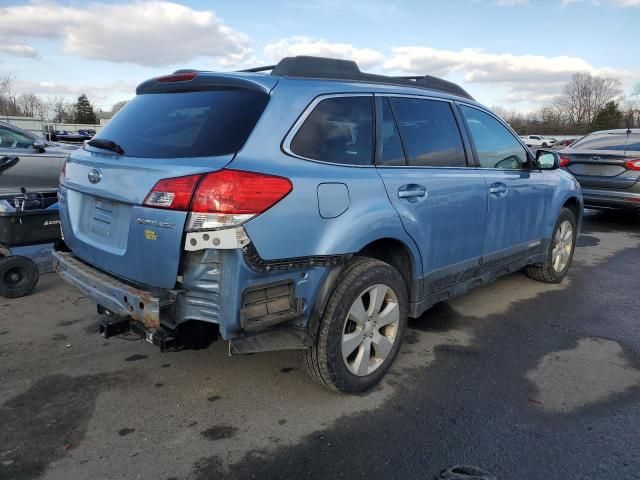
column 300, row 45
column 627, row 3
column 525, row 77
column 511, row 3
column 17, row 49
column 146, row 32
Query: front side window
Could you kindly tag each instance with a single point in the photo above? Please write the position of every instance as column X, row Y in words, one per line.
column 338, row 130
column 12, row 139
column 429, row 132
column 497, row 147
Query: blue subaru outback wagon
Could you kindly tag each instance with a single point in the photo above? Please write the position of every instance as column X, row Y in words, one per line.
column 315, row 208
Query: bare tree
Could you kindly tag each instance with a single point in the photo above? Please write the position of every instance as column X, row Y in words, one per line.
column 585, row 96
column 58, row 108
column 29, row 104
column 8, row 104
column 631, row 108
column 117, row 106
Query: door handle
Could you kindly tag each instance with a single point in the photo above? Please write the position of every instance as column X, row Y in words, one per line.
column 411, row 191
column 498, row 189
column 7, row 162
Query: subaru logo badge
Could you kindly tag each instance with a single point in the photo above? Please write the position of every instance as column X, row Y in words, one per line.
column 94, row 175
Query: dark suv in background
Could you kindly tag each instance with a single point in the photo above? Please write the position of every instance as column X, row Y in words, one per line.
column 607, row 165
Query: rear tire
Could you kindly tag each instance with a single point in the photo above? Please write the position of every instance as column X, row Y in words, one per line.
column 18, row 276
column 361, row 329
column 560, row 251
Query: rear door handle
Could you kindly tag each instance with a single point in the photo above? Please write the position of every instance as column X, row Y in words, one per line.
column 411, row 191
column 7, row 162
column 498, row 189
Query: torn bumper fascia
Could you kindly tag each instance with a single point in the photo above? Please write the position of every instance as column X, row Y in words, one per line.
column 214, row 277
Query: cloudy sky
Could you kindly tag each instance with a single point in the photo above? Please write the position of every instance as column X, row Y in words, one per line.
column 515, row 53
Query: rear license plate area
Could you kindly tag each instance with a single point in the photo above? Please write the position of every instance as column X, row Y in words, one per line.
column 101, row 218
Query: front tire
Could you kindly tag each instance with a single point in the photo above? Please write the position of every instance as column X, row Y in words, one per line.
column 560, row 251
column 361, row 329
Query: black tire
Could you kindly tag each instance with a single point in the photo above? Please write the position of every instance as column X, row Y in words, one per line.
column 324, row 361
column 545, row 145
column 545, row 272
column 18, row 276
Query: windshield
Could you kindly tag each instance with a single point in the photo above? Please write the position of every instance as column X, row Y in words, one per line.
column 188, row 124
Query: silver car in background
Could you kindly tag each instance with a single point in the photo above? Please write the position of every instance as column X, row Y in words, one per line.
column 29, row 163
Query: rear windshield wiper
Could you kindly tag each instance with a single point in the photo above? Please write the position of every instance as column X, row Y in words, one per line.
column 106, row 145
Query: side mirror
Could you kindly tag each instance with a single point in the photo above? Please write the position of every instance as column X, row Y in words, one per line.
column 39, row 145
column 547, row 160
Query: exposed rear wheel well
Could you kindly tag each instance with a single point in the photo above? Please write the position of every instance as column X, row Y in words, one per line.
column 573, row 205
column 395, row 253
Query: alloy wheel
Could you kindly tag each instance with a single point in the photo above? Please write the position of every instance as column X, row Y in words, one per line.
column 562, row 246
column 370, row 330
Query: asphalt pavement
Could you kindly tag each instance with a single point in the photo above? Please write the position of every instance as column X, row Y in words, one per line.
column 523, row 379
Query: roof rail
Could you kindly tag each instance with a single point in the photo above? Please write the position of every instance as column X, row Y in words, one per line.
column 337, row 69
column 258, row 69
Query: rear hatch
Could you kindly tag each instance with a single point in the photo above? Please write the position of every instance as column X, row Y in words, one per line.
column 170, row 129
column 602, row 160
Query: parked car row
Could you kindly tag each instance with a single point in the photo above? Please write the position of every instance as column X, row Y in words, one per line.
column 69, row 136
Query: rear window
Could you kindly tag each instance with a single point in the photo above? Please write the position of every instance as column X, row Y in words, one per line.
column 188, row 124
column 606, row 141
column 339, row 130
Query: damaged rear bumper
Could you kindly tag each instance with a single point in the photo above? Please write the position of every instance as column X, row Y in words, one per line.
column 115, row 296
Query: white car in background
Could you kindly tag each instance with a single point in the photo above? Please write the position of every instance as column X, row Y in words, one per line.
column 538, row 141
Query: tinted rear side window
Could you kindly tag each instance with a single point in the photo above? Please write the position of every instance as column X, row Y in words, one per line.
column 606, row 141
column 392, row 152
column 430, row 132
column 192, row 124
column 339, row 130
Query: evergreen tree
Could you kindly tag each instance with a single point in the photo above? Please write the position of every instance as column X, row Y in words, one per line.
column 607, row 118
column 84, row 111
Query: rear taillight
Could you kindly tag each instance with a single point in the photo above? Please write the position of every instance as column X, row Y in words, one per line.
column 230, row 197
column 564, row 161
column 172, row 193
column 177, row 77
column 221, row 199
column 63, row 172
column 633, row 164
